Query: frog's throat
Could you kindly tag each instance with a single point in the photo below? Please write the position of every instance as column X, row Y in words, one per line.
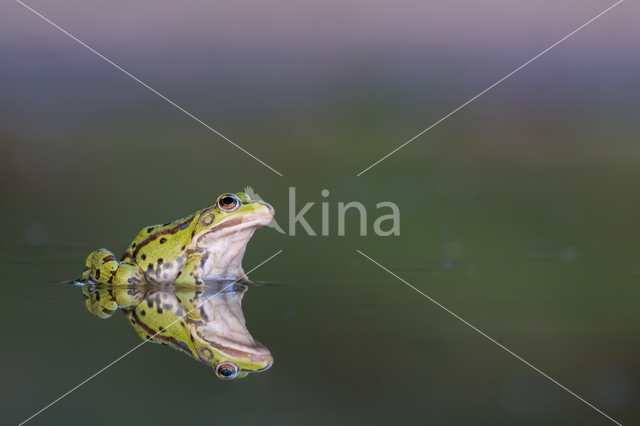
column 227, row 243
column 227, row 333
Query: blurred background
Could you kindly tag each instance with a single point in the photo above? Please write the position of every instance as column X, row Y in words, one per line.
column 518, row 213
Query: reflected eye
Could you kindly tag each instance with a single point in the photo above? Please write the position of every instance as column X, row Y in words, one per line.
column 227, row 370
column 228, row 203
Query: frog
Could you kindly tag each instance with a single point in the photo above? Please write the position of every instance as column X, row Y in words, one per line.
column 205, row 323
column 208, row 243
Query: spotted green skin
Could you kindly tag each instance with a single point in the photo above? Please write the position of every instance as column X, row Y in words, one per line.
column 171, row 316
column 168, row 253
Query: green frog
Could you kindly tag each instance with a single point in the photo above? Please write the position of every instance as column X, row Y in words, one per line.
column 204, row 322
column 209, row 243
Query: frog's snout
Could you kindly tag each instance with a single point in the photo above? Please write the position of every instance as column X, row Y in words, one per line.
column 264, row 208
column 272, row 211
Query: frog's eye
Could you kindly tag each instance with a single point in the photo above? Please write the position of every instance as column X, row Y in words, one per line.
column 227, row 370
column 228, row 203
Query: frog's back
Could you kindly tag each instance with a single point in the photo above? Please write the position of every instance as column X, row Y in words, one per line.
column 176, row 234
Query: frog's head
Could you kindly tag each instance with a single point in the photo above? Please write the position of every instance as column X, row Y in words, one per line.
column 231, row 358
column 225, row 228
column 232, row 214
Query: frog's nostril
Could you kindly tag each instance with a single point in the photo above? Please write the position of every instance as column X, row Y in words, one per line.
column 271, row 210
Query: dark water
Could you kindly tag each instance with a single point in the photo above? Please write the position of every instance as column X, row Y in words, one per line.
column 519, row 214
column 351, row 343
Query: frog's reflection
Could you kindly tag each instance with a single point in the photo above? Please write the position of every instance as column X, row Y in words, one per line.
column 205, row 322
